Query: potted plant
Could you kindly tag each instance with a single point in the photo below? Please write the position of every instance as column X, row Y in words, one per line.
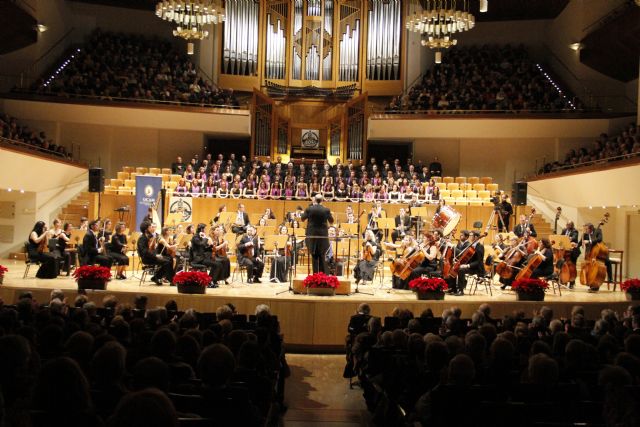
column 92, row 277
column 631, row 287
column 3, row 270
column 320, row 284
column 191, row 282
column 429, row 288
column 529, row 289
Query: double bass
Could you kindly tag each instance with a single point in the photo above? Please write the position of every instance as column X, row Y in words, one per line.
column 594, row 270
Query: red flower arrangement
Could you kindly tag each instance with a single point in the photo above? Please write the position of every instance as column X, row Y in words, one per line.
column 320, row 280
column 631, row 285
column 3, row 270
column 192, row 278
column 433, row 284
column 529, row 286
column 91, row 272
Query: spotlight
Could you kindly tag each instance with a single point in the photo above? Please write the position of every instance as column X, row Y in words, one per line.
column 484, row 6
column 438, row 57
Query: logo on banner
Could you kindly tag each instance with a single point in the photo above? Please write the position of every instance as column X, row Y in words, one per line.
column 182, row 206
column 148, row 191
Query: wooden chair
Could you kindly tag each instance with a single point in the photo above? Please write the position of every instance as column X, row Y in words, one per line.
column 175, row 178
column 466, row 186
column 461, row 179
column 453, row 186
column 445, row 194
column 141, row 170
column 492, row 187
column 447, row 179
column 166, row 171
column 436, row 179
column 154, row 171
column 441, row 185
column 473, row 180
column 484, row 195
column 478, row 187
column 486, row 180
column 123, row 175
column 165, row 177
column 128, row 169
column 471, row 194
column 116, row 183
column 131, row 183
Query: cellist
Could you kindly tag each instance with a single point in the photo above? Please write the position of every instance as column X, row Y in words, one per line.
column 409, row 246
column 474, row 266
column 571, row 232
column 513, row 257
column 545, row 268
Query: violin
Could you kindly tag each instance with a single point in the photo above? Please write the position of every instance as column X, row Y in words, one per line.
column 367, row 254
column 222, row 252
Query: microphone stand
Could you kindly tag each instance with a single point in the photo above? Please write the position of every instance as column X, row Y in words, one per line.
column 358, row 291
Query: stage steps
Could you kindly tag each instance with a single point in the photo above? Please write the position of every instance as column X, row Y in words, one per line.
column 76, row 209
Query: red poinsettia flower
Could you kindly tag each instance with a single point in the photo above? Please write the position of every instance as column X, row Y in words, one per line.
column 433, row 284
column 529, row 285
column 194, row 278
column 92, row 272
column 320, row 280
column 3, row 270
column 630, row 285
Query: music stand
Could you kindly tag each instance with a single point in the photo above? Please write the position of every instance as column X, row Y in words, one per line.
column 174, row 218
column 276, row 242
column 560, row 241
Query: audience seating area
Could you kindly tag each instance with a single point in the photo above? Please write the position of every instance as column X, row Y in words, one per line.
column 605, row 149
column 245, row 179
column 115, row 66
column 480, row 371
column 22, row 136
column 485, row 78
column 126, row 361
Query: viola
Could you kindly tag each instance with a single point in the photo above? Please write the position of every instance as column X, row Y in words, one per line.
column 222, row 252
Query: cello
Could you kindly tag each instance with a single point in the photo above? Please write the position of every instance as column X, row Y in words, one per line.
column 468, row 253
column 512, row 257
column 594, row 270
column 403, row 267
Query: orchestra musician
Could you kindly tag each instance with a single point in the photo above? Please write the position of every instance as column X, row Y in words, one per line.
column 336, row 266
column 37, row 250
column 283, row 258
column 506, row 210
column 525, row 226
column 593, row 235
column 430, row 247
column 249, row 255
column 242, row 220
column 515, row 254
column 545, row 268
column 68, row 254
column 474, row 266
column 366, row 266
column 93, row 249
column 202, row 253
column 216, row 219
column 167, row 247
column 220, row 255
column 570, row 231
column 408, row 246
column 376, row 212
column 118, row 250
column 61, row 240
column 146, row 248
column 403, row 223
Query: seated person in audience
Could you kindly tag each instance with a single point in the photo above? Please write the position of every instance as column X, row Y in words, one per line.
column 177, row 167
column 146, row 247
column 38, row 251
column 93, row 251
column 250, row 255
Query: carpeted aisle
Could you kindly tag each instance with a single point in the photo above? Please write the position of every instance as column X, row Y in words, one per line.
column 316, row 393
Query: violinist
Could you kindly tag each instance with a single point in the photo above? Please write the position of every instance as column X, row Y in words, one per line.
column 220, row 256
column 283, row 258
column 202, row 253
column 118, row 251
column 525, row 226
column 167, row 246
column 146, row 248
column 403, row 223
column 249, row 255
column 474, row 266
column 366, row 267
column 499, row 247
column 512, row 258
column 335, row 265
column 38, row 241
column 545, row 268
column 571, row 232
column 93, row 252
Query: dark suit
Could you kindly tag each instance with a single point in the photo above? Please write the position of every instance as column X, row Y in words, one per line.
column 519, row 230
column 573, row 236
column 406, row 222
column 506, row 210
column 590, row 240
column 148, row 257
column 254, row 266
column 90, row 251
column 201, row 254
column 476, row 266
column 317, row 228
column 243, row 228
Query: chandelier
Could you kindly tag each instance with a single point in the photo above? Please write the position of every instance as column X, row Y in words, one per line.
column 191, row 17
column 439, row 20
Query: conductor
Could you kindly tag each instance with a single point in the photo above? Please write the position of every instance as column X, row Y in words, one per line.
column 317, row 232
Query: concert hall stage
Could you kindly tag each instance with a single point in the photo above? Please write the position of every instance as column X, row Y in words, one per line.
column 308, row 323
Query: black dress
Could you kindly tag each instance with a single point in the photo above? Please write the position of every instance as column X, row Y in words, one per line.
column 116, row 249
column 49, row 266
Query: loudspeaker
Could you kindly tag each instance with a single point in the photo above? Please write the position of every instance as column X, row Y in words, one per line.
column 519, row 193
column 96, row 180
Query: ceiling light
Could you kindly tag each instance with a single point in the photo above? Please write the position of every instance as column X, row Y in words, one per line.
column 484, row 6
column 576, row 46
column 41, row 28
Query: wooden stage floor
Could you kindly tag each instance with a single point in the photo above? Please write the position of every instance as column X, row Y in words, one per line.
column 309, row 322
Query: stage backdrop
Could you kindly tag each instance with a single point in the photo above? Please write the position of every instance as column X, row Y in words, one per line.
column 147, row 195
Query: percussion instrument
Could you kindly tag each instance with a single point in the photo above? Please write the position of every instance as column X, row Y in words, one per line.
column 446, row 219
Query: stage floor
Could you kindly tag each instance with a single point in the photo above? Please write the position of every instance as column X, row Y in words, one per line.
column 308, row 321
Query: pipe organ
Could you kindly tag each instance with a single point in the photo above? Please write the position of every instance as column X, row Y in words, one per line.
column 322, row 43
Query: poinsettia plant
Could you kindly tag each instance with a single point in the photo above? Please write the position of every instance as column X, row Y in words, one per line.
column 428, row 284
column 320, row 280
column 3, row 270
column 631, row 285
column 529, row 286
column 92, row 272
column 192, row 278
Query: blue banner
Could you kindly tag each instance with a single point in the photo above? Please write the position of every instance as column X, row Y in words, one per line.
column 148, row 196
